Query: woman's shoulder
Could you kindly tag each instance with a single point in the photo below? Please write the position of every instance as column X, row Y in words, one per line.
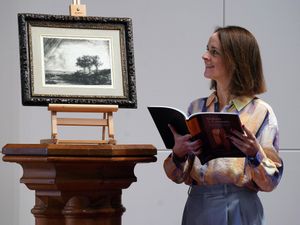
column 201, row 104
column 263, row 104
column 197, row 105
column 266, row 106
column 199, row 100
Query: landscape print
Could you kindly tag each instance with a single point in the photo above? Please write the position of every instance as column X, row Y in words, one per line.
column 77, row 61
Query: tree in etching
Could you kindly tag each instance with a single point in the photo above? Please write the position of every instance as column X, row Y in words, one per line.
column 87, row 62
column 96, row 62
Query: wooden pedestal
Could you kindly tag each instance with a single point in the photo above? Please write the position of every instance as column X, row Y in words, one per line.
column 78, row 184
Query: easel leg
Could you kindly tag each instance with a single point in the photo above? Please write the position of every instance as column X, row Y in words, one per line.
column 54, row 126
column 104, row 127
column 111, row 132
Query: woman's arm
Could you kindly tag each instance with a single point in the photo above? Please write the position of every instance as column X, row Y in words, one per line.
column 177, row 166
column 263, row 161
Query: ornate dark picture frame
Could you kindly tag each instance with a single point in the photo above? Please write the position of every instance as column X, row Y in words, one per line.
column 76, row 60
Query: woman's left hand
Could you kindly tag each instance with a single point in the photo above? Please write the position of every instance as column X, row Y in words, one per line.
column 246, row 142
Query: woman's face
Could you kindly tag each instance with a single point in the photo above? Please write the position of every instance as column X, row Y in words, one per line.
column 215, row 68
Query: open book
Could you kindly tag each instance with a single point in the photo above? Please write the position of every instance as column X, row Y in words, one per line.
column 213, row 128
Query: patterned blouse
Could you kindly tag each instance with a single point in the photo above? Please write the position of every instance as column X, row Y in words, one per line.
column 261, row 174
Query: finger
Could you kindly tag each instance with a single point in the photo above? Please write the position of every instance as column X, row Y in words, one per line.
column 238, row 134
column 197, row 152
column 196, row 147
column 197, row 142
column 186, row 137
column 243, row 148
column 248, row 132
column 239, row 143
column 236, row 141
column 173, row 130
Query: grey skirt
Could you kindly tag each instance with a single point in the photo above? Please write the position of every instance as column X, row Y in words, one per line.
column 222, row 205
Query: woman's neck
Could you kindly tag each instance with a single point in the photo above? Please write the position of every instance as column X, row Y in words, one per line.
column 224, row 96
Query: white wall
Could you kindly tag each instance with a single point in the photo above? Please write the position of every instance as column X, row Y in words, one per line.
column 169, row 39
column 276, row 25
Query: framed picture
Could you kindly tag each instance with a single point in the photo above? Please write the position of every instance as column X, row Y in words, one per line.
column 76, row 60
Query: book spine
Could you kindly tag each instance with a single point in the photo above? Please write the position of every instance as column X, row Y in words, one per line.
column 193, row 126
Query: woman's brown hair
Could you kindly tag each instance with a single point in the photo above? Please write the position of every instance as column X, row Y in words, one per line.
column 242, row 57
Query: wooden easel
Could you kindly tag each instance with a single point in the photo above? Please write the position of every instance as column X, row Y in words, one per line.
column 106, row 122
column 76, row 9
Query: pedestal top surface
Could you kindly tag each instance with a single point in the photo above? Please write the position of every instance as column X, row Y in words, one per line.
column 104, row 150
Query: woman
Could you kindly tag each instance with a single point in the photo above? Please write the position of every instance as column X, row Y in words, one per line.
column 224, row 190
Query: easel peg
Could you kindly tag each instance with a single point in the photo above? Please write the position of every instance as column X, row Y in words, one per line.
column 76, row 9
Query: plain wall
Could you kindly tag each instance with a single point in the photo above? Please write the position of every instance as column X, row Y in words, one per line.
column 170, row 37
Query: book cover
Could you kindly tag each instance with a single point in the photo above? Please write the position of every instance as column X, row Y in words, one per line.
column 213, row 128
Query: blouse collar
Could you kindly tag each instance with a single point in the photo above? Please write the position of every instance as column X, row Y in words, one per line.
column 239, row 102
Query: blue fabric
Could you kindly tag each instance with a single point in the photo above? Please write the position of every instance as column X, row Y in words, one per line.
column 222, row 205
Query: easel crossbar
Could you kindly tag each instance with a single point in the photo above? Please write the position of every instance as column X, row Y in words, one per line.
column 81, row 122
column 82, row 108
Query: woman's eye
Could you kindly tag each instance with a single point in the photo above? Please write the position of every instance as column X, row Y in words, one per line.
column 214, row 52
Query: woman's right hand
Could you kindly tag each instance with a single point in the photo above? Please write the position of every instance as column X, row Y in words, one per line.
column 183, row 144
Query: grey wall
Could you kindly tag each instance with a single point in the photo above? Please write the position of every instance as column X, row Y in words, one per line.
column 169, row 38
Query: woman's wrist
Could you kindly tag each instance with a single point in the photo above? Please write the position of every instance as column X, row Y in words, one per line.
column 255, row 160
column 179, row 159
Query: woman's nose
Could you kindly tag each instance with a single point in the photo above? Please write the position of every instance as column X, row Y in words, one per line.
column 205, row 56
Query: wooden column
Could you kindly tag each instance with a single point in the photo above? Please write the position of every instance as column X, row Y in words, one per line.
column 78, row 184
